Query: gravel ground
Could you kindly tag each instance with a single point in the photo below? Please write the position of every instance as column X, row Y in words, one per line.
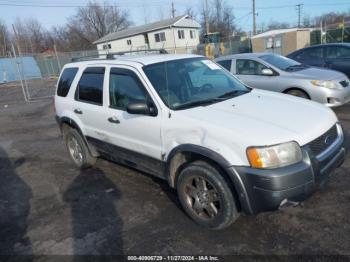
column 48, row 207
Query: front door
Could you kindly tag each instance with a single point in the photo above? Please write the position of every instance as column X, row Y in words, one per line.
column 135, row 139
column 250, row 72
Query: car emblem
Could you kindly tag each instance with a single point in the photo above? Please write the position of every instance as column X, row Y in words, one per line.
column 328, row 140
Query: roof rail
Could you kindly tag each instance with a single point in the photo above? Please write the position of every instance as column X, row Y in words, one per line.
column 90, row 57
column 111, row 56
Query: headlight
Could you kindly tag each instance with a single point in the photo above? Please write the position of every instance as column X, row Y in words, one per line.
column 274, row 156
column 326, row 84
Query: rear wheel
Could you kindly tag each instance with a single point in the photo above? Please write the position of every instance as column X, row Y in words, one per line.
column 77, row 149
column 206, row 196
column 298, row 93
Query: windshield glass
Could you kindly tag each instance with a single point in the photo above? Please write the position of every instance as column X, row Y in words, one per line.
column 191, row 82
column 282, row 62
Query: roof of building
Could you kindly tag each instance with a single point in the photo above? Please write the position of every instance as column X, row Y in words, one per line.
column 141, row 59
column 280, row 31
column 180, row 21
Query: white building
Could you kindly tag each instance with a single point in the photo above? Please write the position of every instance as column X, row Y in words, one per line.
column 179, row 34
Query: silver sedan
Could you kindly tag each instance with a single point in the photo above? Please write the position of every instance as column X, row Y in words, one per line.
column 281, row 74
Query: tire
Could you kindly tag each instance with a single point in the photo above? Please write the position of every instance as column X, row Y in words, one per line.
column 77, row 149
column 205, row 196
column 298, row 93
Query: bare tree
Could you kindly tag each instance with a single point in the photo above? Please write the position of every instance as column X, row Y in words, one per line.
column 221, row 18
column 277, row 25
column 189, row 11
column 4, row 39
column 95, row 21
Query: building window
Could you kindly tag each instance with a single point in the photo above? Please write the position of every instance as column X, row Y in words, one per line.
column 107, row 46
column 193, row 34
column 159, row 37
column 128, row 42
column 181, row 34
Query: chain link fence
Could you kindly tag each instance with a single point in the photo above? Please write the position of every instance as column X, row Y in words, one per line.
column 32, row 77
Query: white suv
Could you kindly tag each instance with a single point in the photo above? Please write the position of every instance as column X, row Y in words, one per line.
column 226, row 148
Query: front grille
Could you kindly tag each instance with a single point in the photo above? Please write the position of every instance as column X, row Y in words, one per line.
column 344, row 83
column 321, row 143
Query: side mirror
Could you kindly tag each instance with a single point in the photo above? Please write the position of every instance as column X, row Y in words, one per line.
column 267, row 72
column 141, row 108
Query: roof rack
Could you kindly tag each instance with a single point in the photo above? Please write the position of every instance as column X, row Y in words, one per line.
column 111, row 56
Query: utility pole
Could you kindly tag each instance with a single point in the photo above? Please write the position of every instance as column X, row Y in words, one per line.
column 172, row 9
column 206, row 17
column 254, row 18
column 299, row 8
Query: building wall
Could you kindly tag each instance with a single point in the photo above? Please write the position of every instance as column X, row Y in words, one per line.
column 120, row 45
column 303, row 39
column 171, row 42
column 258, row 45
column 289, row 42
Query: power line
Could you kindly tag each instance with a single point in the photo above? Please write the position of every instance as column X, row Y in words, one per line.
column 158, row 3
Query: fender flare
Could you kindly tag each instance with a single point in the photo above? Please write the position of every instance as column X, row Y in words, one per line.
column 229, row 170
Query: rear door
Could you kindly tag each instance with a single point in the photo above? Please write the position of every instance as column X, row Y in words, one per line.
column 249, row 72
column 338, row 58
column 88, row 104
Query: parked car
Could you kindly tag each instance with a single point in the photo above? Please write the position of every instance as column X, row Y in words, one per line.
column 225, row 148
column 334, row 56
column 280, row 74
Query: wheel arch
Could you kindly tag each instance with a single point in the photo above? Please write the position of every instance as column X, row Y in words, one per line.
column 71, row 123
column 185, row 154
column 297, row 88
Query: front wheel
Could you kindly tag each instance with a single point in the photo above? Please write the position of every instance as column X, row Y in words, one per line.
column 205, row 196
column 298, row 93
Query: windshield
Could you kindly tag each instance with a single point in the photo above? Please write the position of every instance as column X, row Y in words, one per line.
column 281, row 62
column 192, row 82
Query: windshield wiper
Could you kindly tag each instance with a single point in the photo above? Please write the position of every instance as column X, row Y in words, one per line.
column 233, row 93
column 295, row 67
column 204, row 102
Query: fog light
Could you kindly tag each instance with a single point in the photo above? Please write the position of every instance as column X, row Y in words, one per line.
column 332, row 100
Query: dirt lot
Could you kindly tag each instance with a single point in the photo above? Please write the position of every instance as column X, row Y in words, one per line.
column 47, row 206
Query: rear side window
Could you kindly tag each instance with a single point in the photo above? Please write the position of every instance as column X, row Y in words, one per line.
column 66, row 80
column 225, row 64
column 336, row 52
column 90, row 87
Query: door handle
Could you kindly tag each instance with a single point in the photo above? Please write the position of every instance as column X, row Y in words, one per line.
column 78, row 111
column 113, row 120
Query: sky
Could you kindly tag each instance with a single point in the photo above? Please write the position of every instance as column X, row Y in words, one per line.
column 144, row 11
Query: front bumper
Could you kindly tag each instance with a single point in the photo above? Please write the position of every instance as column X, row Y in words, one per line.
column 265, row 190
column 337, row 97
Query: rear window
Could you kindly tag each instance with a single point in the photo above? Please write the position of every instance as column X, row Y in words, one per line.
column 66, row 80
column 90, row 87
column 225, row 64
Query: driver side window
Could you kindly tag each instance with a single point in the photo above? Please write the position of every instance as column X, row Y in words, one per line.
column 124, row 87
column 249, row 67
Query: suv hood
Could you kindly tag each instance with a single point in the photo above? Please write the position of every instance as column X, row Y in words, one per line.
column 263, row 118
column 315, row 73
